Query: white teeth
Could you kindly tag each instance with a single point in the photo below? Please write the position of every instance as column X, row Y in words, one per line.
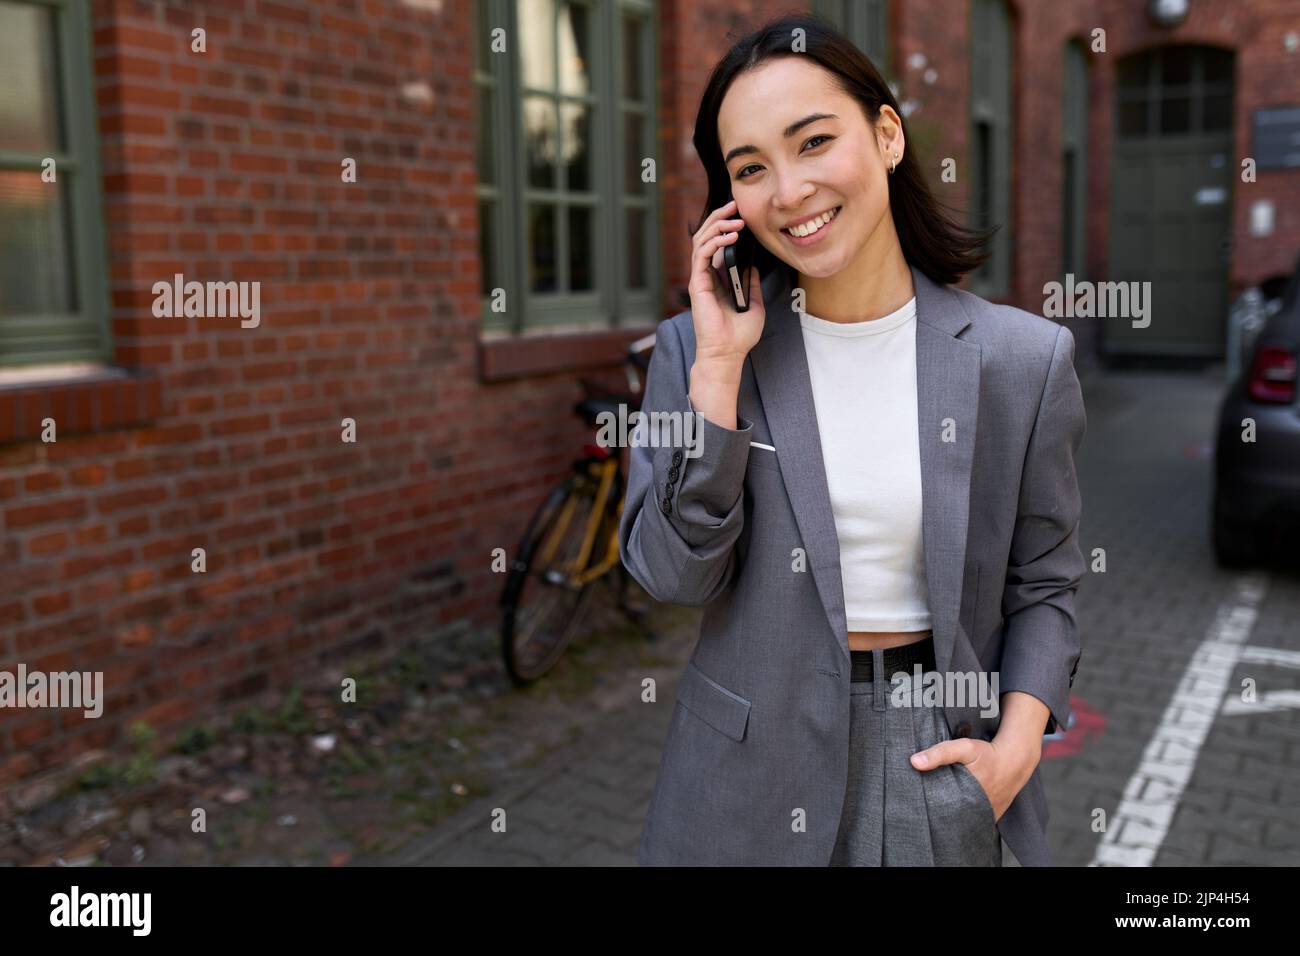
column 808, row 228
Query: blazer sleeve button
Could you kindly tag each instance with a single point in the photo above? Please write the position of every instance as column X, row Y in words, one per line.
column 666, row 506
column 677, row 456
column 963, row 729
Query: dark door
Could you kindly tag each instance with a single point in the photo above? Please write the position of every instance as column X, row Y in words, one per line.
column 1171, row 199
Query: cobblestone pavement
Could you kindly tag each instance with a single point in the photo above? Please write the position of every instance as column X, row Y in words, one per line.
column 1145, row 471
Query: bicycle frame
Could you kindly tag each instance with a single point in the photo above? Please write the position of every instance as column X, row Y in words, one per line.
column 577, row 573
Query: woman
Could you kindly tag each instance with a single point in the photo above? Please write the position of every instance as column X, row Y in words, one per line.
column 878, row 492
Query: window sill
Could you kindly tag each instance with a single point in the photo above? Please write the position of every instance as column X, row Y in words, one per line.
column 96, row 401
column 518, row 356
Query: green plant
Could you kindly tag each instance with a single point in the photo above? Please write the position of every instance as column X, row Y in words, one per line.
column 251, row 720
column 292, row 717
column 350, row 758
column 140, row 767
column 195, row 740
column 98, row 777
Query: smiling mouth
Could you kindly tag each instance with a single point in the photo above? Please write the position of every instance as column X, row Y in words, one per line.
column 813, row 226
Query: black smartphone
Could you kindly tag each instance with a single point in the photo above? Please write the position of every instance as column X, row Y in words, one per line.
column 737, row 261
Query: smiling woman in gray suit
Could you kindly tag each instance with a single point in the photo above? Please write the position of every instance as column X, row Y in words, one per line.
column 877, row 504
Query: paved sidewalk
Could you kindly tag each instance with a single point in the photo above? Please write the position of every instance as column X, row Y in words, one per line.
column 584, row 804
column 583, row 807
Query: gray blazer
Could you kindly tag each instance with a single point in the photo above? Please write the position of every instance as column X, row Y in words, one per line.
column 760, row 726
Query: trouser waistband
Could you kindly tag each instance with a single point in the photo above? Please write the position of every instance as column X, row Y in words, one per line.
column 902, row 658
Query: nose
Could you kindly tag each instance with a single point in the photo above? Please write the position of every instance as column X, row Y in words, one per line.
column 791, row 191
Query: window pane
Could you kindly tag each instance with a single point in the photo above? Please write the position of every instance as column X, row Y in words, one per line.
column 539, row 141
column 636, row 245
column 35, row 256
column 983, row 175
column 29, row 85
column 575, row 50
column 541, row 248
column 632, row 151
column 577, row 145
column 537, row 42
column 487, row 245
column 1175, row 114
column 1218, row 66
column 1133, row 72
column 834, row 11
column 1133, row 116
column 1176, row 66
column 1067, row 211
column 1216, row 111
column 631, row 58
column 580, row 269
column 877, row 27
column 482, row 37
column 483, row 136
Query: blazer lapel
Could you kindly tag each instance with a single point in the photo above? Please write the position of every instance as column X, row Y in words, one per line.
column 947, row 382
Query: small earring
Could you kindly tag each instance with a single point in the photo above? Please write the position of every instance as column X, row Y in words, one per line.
column 894, row 163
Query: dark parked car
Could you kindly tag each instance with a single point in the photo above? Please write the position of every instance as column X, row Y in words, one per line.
column 1256, row 500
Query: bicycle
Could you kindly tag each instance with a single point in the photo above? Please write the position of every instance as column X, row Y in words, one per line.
column 571, row 542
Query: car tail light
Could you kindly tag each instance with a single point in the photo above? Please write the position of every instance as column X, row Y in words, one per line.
column 1273, row 375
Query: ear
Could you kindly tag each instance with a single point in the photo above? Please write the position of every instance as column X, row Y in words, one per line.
column 882, row 141
column 888, row 126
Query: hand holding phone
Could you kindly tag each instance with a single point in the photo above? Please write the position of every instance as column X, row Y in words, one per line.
column 738, row 261
column 726, row 305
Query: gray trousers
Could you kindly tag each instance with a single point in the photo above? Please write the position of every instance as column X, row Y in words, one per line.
column 896, row 815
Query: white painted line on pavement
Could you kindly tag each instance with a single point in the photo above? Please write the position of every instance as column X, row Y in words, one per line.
column 1138, row 827
column 1266, row 702
column 1275, row 656
column 1269, row 700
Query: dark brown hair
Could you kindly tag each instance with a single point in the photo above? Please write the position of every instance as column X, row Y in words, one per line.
column 931, row 237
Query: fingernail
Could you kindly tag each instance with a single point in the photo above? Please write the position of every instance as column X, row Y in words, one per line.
column 921, row 759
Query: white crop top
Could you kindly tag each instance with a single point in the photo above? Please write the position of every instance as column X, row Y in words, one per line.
column 864, row 388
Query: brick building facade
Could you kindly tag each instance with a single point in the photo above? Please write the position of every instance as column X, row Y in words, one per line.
column 225, row 165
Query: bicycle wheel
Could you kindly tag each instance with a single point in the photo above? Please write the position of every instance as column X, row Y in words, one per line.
column 542, row 609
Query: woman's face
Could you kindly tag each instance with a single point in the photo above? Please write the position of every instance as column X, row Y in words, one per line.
column 834, row 164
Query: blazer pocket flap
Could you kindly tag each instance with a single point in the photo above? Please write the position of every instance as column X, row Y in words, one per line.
column 713, row 703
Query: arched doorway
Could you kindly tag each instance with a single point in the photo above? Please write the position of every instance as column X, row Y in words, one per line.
column 1171, row 198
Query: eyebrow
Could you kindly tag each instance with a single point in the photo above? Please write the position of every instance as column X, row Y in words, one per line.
column 787, row 133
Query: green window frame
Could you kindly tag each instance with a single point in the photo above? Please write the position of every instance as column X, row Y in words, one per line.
column 991, row 70
column 865, row 22
column 570, row 234
column 1074, row 161
column 54, row 304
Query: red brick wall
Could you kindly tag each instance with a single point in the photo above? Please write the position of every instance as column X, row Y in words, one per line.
column 226, row 166
column 1266, row 75
column 939, row 122
column 939, row 30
